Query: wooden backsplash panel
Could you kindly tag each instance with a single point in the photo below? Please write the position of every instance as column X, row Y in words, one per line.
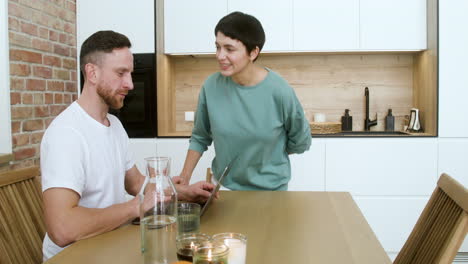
column 326, row 83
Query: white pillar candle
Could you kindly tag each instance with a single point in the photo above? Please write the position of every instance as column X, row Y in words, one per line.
column 237, row 244
column 319, row 117
column 237, row 250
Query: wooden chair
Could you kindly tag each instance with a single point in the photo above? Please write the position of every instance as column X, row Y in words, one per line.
column 22, row 227
column 441, row 228
column 209, row 175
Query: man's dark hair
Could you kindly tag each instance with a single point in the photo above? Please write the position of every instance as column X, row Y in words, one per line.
column 243, row 27
column 99, row 43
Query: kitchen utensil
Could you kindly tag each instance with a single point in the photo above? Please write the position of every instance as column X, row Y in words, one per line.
column 414, row 125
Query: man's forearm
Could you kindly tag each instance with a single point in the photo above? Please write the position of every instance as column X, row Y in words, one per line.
column 66, row 225
column 133, row 181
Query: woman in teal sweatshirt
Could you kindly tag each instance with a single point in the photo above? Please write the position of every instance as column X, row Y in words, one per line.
column 247, row 111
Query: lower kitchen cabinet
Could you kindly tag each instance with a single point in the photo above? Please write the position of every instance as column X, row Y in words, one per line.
column 141, row 149
column 176, row 149
column 308, row 168
column 453, row 153
column 453, row 158
column 383, row 166
column 391, row 218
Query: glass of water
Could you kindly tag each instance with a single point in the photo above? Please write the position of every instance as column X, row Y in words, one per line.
column 188, row 218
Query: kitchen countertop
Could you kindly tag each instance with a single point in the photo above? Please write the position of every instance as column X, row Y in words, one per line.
column 371, row 134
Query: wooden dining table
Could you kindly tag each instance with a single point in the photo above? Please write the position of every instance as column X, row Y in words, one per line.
column 282, row 227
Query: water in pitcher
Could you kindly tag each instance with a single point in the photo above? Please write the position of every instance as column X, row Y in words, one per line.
column 159, row 233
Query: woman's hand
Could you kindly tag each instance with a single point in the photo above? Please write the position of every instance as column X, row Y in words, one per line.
column 198, row 192
column 180, row 180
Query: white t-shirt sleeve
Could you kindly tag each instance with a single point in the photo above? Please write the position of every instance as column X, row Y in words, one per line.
column 63, row 159
column 129, row 161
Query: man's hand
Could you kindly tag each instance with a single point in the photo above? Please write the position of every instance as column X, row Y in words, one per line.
column 198, row 192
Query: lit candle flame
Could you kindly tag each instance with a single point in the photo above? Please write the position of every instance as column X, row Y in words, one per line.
column 209, row 254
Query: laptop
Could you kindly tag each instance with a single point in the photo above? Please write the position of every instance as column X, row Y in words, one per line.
column 218, row 185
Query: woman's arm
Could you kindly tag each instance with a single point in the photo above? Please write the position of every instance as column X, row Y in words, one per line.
column 190, row 163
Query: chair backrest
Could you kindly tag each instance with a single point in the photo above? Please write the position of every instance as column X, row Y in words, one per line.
column 209, row 175
column 441, row 228
column 22, row 227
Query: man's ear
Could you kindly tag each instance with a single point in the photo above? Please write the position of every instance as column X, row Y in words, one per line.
column 254, row 53
column 91, row 73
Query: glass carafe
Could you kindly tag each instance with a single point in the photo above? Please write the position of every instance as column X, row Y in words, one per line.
column 158, row 213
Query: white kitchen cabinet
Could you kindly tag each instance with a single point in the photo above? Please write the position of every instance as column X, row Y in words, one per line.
column 326, row 25
column 393, row 24
column 453, row 160
column 391, row 218
column 176, row 149
column 302, row 25
column 141, row 149
column 453, row 77
column 382, row 166
column 308, row 168
column 189, row 25
column 135, row 19
column 276, row 19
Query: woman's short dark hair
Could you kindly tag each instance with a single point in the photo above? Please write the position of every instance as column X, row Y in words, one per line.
column 99, row 43
column 243, row 27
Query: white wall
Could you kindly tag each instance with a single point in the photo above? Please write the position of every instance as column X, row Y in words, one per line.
column 5, row 116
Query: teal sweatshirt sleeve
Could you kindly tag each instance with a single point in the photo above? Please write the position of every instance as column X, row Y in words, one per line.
column 201, row 133
column 296, row 125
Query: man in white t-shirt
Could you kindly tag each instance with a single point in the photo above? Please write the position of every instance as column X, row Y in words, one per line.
column 86, row 164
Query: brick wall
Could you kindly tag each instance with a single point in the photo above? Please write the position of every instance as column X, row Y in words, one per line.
column 43, row 73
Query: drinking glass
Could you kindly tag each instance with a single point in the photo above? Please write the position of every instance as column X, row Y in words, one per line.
column 188, row 218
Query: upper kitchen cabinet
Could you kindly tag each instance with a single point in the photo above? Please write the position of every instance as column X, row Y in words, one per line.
column 326, row 25
column 276, row 19
column 453, row 111
column 302, row 25
column 393, row 24
column 133, row 19
column 189, row 25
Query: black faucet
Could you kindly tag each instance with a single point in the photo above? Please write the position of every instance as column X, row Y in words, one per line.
column 367, row 122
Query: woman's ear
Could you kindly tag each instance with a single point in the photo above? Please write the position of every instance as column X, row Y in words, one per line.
column 254, row 53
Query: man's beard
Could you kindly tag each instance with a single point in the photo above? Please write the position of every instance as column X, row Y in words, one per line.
column 113, row 100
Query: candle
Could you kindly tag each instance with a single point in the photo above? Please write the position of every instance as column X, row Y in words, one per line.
column 211, row 253
column 238, row 251
column 186, row 243
column 237, row 244
column 319, row 117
